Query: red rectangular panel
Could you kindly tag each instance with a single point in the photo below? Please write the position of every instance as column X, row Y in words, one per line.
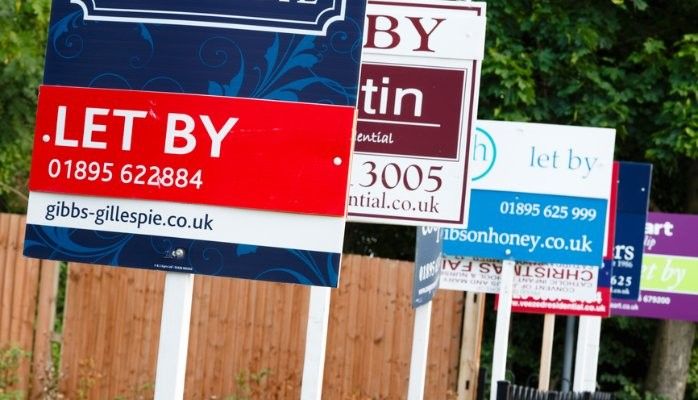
column 236, row 152
column 612, row 211
column 601, row 307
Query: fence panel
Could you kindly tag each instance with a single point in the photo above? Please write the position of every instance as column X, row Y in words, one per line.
column 110, row 331
column 247, row 338
column 27, row 288
column 370, row 334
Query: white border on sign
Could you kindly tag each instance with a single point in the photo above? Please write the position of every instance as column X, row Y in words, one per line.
column 230, row 225
column 322, row 31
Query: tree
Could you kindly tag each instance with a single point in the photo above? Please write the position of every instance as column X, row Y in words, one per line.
column 23, row 30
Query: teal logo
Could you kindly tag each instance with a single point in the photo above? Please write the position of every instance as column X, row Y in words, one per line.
column 483, row 154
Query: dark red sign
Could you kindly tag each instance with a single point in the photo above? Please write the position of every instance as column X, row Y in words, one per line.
column 410, row 111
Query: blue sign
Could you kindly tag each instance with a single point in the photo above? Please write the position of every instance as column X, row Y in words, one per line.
column 167, row 46
column 298, row 53
column 530, row 227
column 184, row 255
column 631, row 216
column 427, row 265
column 539, row 193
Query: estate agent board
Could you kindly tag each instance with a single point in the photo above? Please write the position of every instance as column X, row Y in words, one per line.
column 205, row 137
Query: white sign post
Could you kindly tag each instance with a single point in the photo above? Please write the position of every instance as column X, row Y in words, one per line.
column 420, row 346
column 501, row 333
column 427, row 270
column 174, row 336
column 315, row 343
column 586, row 361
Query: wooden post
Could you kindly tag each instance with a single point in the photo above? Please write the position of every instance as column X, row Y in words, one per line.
column 471, row 341
column 546, row 352
column 45, row 317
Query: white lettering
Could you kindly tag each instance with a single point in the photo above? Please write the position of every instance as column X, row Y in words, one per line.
column 60, row 130
column 91, row 127
column 129, row 116
column 217, row 136
column 173, row 133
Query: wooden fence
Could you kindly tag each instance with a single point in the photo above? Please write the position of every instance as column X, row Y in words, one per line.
column 27, row 304
column 247, row 338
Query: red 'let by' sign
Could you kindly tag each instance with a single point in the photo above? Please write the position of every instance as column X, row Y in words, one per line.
column 192, row 148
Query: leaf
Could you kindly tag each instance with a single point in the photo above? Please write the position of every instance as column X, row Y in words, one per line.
column 306, row 60
column 289, row 91
column 215, row 89
column 270, row 57
column 145, row 34
column 244, row 249
column 233, row 87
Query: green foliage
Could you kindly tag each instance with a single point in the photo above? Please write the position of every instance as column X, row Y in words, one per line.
column 623, row 356
column 396, row 242
column 629, row 390
column 249, row 384
column 678, row 116
column 139, row 392
column 88, row 377
column 23, row 30
column 10, row 361
column 632, row 68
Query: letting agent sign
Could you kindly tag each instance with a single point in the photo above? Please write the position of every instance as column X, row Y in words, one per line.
column 669, row 284
column 633, row 200
column 192, row 136
column 417, row 102
column 540, row 281
column 427, row 265
column 541, row 193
